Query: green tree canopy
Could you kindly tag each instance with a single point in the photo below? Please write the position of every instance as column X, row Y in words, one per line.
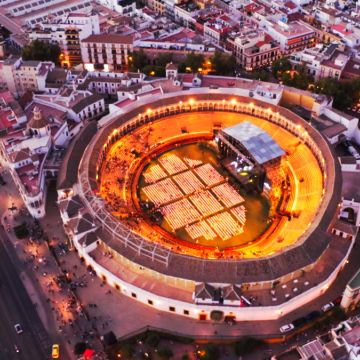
column 209, row 352
column 345, row 93
column 194, row 61
column 42, row 51
column 163, row 59
column 299, row 79
column 280, row 66
column 223, row 64
column 246, row 345
column 80, row 348
column 165, row 353
column 138, row 60
column 261, row 75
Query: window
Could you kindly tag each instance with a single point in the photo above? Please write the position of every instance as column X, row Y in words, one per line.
column 171, row 308
column 134, row 295
column 186, row 312
column 150, row 302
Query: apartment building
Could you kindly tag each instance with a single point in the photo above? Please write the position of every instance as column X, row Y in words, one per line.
column 254, row 49
column 106, row 52
column 67, row 32
column 292, row 37
column 21, row 76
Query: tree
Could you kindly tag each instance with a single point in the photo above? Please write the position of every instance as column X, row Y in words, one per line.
column 223, row 64
column 210, row 352
column 280, row 66
column 326, row 86
column 138, row 60
column 163, row 59
column 152, row 339
column 153, row 70
column 79, row 348
column 246, row 345
column 345, row 94
column 42, row 51
column 125, row 350
column 299, row 79
column 194, row 61
column 21, row 231
column 165, row 353
column 261, row 75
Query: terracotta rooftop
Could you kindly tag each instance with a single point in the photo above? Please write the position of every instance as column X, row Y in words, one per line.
column 109, row 39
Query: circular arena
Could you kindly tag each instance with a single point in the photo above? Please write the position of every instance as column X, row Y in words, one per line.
column 205, row 201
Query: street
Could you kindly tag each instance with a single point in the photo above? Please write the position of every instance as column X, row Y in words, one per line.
column 16, row 307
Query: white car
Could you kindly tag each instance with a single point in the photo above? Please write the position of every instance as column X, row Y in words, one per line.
column 327, row 307
column 286, row 328
column 18, row 328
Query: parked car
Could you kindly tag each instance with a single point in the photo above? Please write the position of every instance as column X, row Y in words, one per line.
column 327, row 307
column 286, row 328
column 18, row 329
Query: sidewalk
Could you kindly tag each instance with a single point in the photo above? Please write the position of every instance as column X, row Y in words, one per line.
column 36, row 266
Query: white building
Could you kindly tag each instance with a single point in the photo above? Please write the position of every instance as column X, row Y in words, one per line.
column 106, row 52
column 123, row 7
column 67, row 32
column 21, row 76
column 292, row 37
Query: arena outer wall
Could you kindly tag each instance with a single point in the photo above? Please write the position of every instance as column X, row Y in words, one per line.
column 303, row 256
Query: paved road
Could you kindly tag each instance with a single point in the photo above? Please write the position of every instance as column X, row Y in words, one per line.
column 16, row 307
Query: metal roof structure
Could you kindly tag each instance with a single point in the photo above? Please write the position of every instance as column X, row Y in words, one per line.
column 256, row 141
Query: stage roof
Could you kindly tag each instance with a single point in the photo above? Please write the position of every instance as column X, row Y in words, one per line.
column 257, row 141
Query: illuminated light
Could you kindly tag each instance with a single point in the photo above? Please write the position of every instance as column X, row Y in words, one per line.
column 252, row 104
column 233, row 101
column 200, row 69
column 188, row 68
column 180, row 102
column 152, row 73
column 223, row 100
column 269, row 110
column 191, row 101
column 115, row 131
column 149, row 111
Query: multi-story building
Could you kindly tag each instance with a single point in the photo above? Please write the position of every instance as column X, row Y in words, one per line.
column 351, row 296
column 106, row 52
column 156, row 5
column 254, row 49
column 26, row 149
column 327, row 16
column 333, row 66
column 79, row 105
column 21, row 76
column 322, row 61
column 123, row 7
column 216, row 30
column 349, row 34
column 292, row 37
column 31, row 12
column 67, row 32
